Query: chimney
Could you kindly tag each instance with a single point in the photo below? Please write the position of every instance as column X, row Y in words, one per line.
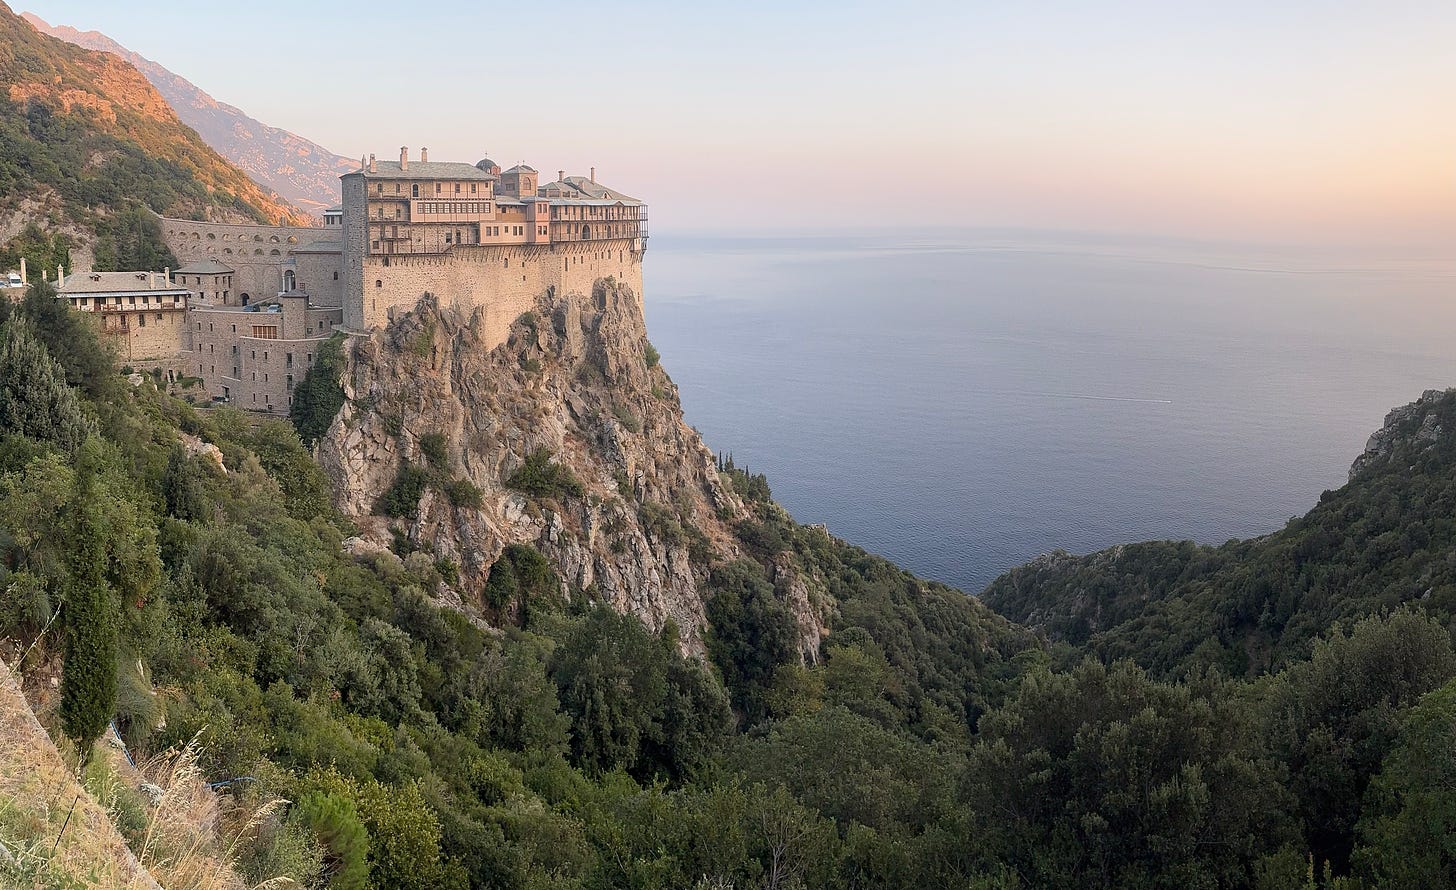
column 23, row 277
column 363, row 163
column 60, row 275
column 371, row 164
column 424, row 156
column 593, row 174
column 404, row 158
column 167, row 277
column 560, row 175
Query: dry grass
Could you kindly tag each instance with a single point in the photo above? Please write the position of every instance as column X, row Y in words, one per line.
column 38, row 792
column 184, row 835
column 192, row 838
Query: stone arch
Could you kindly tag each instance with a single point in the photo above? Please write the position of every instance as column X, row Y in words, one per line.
column 257, row 237
column 227, row 250
column 378, row 283
column 274, row 252
column 272, row 239
column 257, row 251
column 290, row 280
column 211, row 249
column 585, row 231
column 292, row 239
column 211, row 236
column 195, row 236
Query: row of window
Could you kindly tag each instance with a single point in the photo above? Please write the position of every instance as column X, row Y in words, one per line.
column 471, row 207
column 415, row 189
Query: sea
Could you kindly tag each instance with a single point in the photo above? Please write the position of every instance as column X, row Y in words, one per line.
column 961, row 401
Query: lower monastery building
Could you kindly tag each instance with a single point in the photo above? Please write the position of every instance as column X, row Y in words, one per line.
column 250, row 307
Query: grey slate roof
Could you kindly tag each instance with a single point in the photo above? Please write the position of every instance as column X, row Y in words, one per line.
column 580, row 189
column 521, row 168
column 205, row 267
column 424, row 170
column 117, row 282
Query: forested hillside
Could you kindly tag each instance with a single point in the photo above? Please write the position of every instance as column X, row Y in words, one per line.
column 87, row 147
column 1385, row 539
column 183, row 573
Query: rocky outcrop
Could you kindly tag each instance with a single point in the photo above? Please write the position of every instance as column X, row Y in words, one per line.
column 1417, row 424
column 573, row 380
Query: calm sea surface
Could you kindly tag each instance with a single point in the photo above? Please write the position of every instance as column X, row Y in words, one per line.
column 961, row 403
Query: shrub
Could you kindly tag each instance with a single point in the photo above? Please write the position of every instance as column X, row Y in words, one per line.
column 651, row 356
column 626, row 418
column 403, row 497
column 541, row 477
column 434, row 448
column 463, row 493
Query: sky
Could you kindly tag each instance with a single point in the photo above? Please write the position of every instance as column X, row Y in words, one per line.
column 1298, row 122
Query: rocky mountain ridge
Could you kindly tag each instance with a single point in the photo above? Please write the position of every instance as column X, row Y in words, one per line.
column 639, row 509
column 302, row 172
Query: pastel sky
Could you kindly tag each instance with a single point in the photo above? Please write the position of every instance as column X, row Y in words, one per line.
column 1294, row 121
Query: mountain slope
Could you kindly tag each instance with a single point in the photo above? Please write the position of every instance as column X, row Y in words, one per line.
column 1383, row 539
column 302, row 172
column 87, row 146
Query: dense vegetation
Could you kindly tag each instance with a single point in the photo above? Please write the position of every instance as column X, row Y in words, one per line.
column 86, row 138
column 926, row 742
column 1382, row 540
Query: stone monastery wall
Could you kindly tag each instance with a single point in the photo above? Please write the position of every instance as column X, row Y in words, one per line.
column 256, row 252
column 504, row 281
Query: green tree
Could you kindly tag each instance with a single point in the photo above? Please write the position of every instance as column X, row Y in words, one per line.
column 752, row 633
column 334, row 820
column 88, row 673
column 1407, row 833
column 131, row 240
column 1334, row 718
column 182, row 488
column 34, row 398
column 70, row 338
column 319, row 396
column 611, row 675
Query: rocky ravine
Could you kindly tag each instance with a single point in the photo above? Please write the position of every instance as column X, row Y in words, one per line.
column 573, row 379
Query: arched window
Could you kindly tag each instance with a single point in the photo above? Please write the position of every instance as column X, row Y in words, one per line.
column 378, row 283
column 290, row 280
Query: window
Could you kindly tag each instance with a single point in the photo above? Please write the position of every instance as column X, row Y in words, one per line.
column 457, row 188
column 290, row 383
column 472, row 188
column 437, row 188
column 378, row 283
column 336, row 276
column 141, row 320
column 396, row 188
column 265, row 332
column 415, row 190
column 159, row 316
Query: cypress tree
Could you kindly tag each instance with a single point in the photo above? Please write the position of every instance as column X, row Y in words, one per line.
column 88, row 675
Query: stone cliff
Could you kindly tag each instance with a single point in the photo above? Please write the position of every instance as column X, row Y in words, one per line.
column 569, row 437
column 1412, row 428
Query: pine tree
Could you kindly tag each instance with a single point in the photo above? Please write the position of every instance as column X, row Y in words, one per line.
column 88, row 675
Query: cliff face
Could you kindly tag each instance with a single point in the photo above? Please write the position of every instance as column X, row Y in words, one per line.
column 302, row 172
column 573, row 381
